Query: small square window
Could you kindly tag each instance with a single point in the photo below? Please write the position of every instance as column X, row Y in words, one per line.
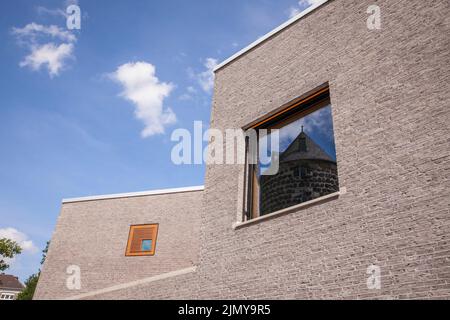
column 142, row 240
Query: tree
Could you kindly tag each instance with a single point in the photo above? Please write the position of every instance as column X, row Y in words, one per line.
column 31, row 283
column 44, row 252
column 8, row 249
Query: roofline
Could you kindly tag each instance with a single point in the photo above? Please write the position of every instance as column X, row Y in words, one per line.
column 270, row 34
column 12, row 289
column 134, row 194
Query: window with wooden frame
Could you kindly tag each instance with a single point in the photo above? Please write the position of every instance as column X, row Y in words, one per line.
column 301, row 164
column 142, row 240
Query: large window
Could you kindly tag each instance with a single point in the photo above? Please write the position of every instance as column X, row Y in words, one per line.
column 293, row 159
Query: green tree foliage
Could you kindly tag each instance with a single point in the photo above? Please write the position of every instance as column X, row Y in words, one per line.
column 31, row 282
column 30, row 285
column 44, row 252
column 8, row 249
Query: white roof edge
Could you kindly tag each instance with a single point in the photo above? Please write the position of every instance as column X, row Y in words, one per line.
column 134, row 194
column 270, row 34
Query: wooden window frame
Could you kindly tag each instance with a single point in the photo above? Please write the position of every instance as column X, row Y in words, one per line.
column 299, row 108
column 151, row 252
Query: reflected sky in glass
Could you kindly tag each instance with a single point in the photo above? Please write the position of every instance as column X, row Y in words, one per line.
column 146, row 245
column 318, row 125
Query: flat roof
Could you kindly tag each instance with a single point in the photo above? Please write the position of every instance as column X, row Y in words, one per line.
column 270, row 34
column 134, row 194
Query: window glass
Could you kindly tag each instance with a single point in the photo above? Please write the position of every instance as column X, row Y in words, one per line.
column 146, row 245
column 297, row 165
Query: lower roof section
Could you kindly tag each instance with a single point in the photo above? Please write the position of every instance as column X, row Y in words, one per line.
column 135, row 194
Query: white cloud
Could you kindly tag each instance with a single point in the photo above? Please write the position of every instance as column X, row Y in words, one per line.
column 69, row 2
column 293, row 11
column 309, row 2
column 50, row 55
column 44, row 54
column 189, row 95
column 33, row 30
column 185, row 97
column 302, row 5
column 52, row 12
column 206, row 78
column 60, row 12
column 191, row 89
column 19, row 237
column 147, row 93
column 320, row 121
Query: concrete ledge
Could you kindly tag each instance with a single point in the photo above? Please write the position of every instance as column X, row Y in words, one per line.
column 134, row 194
column 297, row 207
column 134, row 283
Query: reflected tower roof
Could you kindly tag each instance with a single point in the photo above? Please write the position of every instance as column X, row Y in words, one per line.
column 304, row 148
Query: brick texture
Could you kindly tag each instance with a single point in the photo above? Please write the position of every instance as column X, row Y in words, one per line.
column 93, row 235
column 390, row 105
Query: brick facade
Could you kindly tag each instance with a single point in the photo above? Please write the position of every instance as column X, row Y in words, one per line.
column 93, row 235
column 390, row 105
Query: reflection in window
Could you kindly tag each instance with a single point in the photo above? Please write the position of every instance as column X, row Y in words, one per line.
column 305, row 157
column 146, row 245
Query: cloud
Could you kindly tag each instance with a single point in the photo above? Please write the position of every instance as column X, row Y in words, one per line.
column 308, row 3
column 147, row 93
column 206, row 78
column 293, row 11
column 33, row 30
column 191, row 89
column 189, row 95
column 52, row 12
column 60, row 12
column 318, row 123
column 19, row 237
column 185, row 97
column 50, row 55
column 43, row 54
column 302, row 5
column 69, row 2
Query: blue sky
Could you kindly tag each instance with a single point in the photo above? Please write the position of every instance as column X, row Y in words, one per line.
column 74, row 124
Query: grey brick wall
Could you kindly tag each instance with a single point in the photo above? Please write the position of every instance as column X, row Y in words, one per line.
column 390, row 103
column 94, row 234
column 390, row 99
